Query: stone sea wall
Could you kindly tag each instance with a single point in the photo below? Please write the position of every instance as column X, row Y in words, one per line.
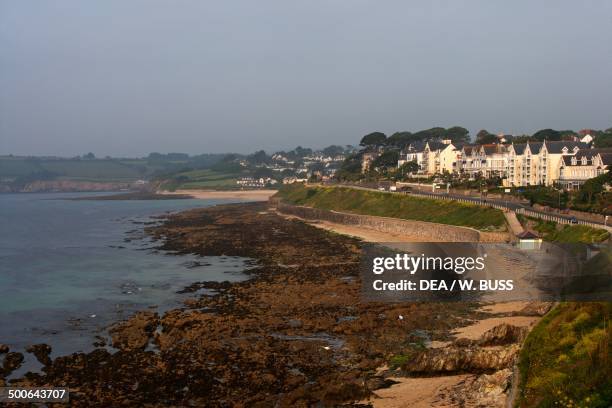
column 426, row 231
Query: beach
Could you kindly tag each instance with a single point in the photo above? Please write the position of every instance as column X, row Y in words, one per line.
column 247, row 195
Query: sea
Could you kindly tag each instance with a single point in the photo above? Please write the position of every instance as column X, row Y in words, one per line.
column 70, row 268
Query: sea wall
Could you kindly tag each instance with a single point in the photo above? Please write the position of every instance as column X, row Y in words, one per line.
column 425, row 231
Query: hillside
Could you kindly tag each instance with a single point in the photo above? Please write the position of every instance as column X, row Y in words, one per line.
column 61, row 174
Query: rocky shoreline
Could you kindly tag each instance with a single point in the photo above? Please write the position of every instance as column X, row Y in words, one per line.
column 295, row 334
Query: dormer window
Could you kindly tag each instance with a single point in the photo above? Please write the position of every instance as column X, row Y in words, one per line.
column 564, row 150
column 574, row 161
column 584, row 160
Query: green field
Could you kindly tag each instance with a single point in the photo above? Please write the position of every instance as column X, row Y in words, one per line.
column 14, row 167
column 395, row 205
column 202, row 179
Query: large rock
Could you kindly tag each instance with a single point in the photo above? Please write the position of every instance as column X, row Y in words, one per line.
column 456, row 359
column 503, row 334
column 12, row 361
column 41, row 351
column 134, row 334
column 4, row 348
column 486, row 390
column 535, row 308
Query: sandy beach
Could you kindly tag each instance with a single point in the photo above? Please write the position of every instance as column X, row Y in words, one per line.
column 251, row 195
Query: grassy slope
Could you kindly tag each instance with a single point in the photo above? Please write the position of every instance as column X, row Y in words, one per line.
column 395, row 205
column 550, row 231
column 565, row 359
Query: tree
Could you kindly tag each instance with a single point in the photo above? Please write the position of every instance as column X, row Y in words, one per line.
column 386, row 159
column 547, row 134
column 484, row 137
column 567, row 134
column 333, row 150
column 89, row 156
column 350, row 168
column 259, row 157
column 302, row 151
column 429, row 134
column 400, row 139
column 408, row 167
column 373, row 139
column 604, row 139
column 458, row 134
column 593, row 186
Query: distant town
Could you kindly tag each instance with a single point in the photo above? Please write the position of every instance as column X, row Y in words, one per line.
column 559, row 169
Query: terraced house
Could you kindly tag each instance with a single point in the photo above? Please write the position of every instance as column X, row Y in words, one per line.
column 489, row 160
column 585, row 164
column 537, row 163
column 532, row 163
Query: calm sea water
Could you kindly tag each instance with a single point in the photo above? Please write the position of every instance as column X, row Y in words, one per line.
column 70, row 268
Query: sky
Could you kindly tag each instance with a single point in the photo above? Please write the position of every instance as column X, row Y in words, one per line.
column 129, row 77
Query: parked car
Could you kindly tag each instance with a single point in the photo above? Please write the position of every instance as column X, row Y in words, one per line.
column 573, row 220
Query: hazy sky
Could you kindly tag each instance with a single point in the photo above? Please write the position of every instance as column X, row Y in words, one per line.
column 127, row 77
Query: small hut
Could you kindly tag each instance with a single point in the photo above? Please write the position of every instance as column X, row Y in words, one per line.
column 529, row 240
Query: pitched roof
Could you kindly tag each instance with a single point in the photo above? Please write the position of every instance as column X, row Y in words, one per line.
column 433, row 145
column 527, row 235
column 416, row 146
column 493, row 148
column 489, row 148
column 535, row 147
column 469, row 148
column 557, row 146
column 519, row 148
column 600, row 150
column 605, row 154
column 567, row 159
column 606, row 158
